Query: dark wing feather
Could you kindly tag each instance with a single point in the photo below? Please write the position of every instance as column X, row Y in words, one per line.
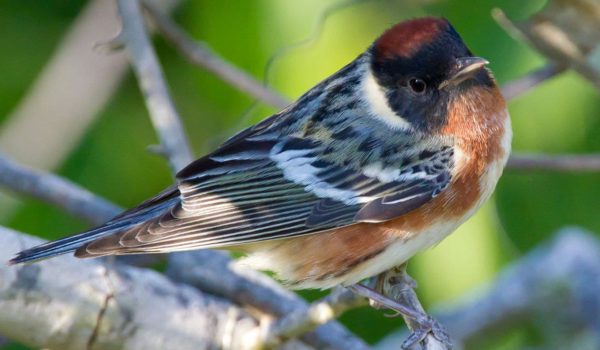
column 262, row 187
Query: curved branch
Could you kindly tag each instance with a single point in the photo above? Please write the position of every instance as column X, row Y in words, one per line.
column 57, row 191
column 96, row 304
column 215, row 273
column 519, row 86
column 163, row 114
column 200, row 54
column 304, row 320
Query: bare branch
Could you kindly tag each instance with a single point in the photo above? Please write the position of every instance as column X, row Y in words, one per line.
column 57, row 191
column 164, row 116
column 564, row 31
column 304, row 320
column 215, row 273
column 561, row 277
column 568, row 163
column 112, row 305
column 518, row 87
column 199, row 53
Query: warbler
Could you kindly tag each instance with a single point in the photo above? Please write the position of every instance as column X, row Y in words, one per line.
column 379, row 161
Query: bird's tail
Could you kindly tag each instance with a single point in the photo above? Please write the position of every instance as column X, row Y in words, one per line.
column 64, row 245
column 145, row 211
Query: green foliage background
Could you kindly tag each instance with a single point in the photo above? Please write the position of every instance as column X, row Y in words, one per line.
column 559, row 117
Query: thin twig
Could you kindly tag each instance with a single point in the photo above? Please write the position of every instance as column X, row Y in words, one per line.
column 57, row 191
column 214, row 272
column 165, row 118
column 519, row 86
column 546, row 35
column 567, row 163
column 199, row 53
column 305, row 320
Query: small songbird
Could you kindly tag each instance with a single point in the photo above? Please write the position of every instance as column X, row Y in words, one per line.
column 379, row 161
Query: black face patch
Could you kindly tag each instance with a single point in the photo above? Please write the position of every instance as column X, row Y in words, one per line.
column 432, row 63
column 424, row 112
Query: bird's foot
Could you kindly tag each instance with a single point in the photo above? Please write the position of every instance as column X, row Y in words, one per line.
column 420, row 331
column 394, row 290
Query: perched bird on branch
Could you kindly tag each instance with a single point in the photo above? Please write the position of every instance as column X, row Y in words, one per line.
column 379, row 161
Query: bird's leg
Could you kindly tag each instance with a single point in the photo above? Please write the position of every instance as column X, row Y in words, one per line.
column 394, row 290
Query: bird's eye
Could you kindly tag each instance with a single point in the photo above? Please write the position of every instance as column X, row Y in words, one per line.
column 417, row 85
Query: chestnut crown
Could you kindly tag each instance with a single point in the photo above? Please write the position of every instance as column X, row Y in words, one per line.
column 420, row 65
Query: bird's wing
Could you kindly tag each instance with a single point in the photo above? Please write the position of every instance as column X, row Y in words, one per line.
column 261, row 186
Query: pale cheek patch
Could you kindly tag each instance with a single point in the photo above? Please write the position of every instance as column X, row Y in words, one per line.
column 377, row 104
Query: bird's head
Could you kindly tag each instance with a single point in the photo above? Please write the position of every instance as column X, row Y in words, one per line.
column 421, row 66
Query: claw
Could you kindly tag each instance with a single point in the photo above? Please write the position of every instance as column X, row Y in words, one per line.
column 394, row 290
column 414, row 338
column 440, row 333
column 423, row 329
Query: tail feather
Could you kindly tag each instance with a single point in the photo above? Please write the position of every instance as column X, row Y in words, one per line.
column 64, row 245
column 145, row 211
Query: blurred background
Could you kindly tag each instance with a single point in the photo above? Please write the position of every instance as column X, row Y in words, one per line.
column 108, row 151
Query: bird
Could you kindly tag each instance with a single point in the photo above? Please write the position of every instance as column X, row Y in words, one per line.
column 379, row 161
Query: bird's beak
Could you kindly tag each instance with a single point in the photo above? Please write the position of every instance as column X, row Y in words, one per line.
column 465, row 68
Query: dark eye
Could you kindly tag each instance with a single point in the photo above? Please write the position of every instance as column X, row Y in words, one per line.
column 417, row 85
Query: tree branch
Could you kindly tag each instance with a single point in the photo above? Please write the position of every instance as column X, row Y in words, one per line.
column 563, row 31
column 304, row 320
column 111, row 306
column 215, row 273
column 202, row 55
column 164, row 116
column 566, row 163
column 57, row 191
column 561, row 277
column 519, row 86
